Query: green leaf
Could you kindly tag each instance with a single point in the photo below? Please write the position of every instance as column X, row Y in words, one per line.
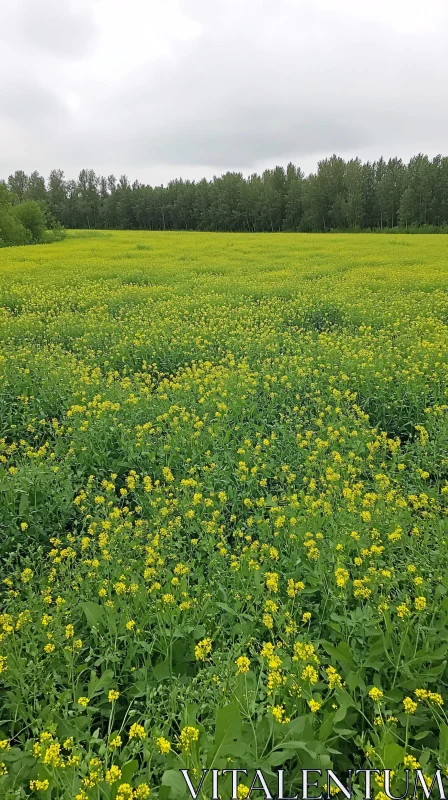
column 227, row 608
column 326, row 728
column 173, row 779
column 341, row 653
column 162, row 670
column 393, row 755
column 345, row 651
column 443, row 737
column 262, row 733
column 299, row 746
column 227, row 728
column 23, row 504
column 96, row 685
column 340, row 713
column 94, row 612
column 128, row 770
column 278, row 757
column 353, row 680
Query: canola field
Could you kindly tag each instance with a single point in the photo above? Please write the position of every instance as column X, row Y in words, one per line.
column 223, row 509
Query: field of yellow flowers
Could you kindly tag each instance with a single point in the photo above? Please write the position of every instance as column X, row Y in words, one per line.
column 223, row 509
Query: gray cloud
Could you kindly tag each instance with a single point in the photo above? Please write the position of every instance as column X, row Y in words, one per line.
column 257, row 82
column 65, row 28
column 26, row 100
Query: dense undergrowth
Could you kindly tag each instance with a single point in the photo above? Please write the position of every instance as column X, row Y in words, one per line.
column 223, row 496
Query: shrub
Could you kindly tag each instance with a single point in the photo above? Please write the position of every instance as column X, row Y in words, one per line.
column 12, row 232
column 31, row 215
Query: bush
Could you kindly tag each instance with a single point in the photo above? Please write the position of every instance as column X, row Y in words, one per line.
column 32, row 217
column 12, row 232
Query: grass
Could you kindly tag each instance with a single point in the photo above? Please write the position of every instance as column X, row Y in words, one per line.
column 223, row 503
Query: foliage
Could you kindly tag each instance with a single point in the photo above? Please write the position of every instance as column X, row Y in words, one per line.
column 223, row 497
column 341, row 196
column 32, row 217
column 12, row 232
column 26, row 222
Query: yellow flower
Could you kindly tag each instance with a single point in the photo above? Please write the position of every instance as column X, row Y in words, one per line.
column 334, row 679
column 115, row 742
column 113, row 774
column 314, row 705
column 137, row 731
column 188, row 735
column 342, row 576
column 39, row 786
column 403, row 611
column 271, row 579
column 310, row 674
column 203, row 649
column 26, row 575
column 278, row 712
column 376, row 694
column 420, row 603
column 142, row 791
column 243, row 665
column 83, row 701
column 294, row 587
column 69, row 632
column 306, row 616
column 242, row 791
column 163, row 745
column 52, row 755
column 113, row 695
column 168, row 599
column 130, row 625
column 124, row 792
column 410, row 706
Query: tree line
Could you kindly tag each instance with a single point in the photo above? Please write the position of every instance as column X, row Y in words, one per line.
column 340, row 196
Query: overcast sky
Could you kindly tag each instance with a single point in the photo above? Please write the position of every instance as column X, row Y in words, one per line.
column 163, row 88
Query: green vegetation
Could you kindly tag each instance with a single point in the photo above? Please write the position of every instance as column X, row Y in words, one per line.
column 340, row 196
column 25, row 222
column 223, row 500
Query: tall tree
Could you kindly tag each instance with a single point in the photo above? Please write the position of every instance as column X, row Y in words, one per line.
column 18, row 184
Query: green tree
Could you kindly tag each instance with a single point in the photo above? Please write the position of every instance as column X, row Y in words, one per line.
column 12, row 232
column 18, row 184
column 407, row 209
column 354, row 191
column 32, row 216
column 36, row 189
